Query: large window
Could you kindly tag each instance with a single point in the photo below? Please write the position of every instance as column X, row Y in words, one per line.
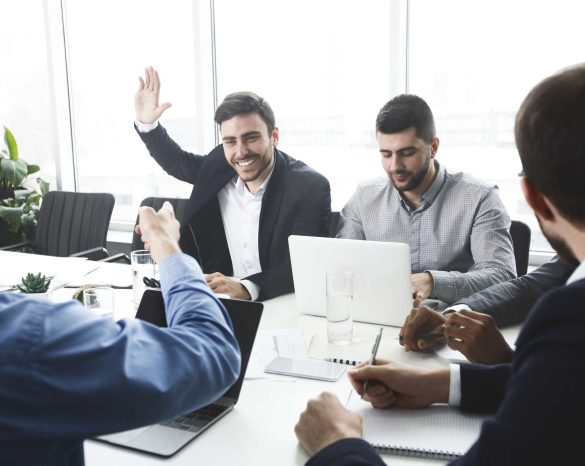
column 25, row 84
column 110, row 43
column 474, row 62
column 325, row 67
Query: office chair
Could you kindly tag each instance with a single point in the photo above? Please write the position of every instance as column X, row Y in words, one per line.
column 180, row 208
column 333, row 223
column 520, row 233
column 71, row 224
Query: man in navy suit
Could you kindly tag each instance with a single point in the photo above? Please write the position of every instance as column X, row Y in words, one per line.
column 536, row 404
column 247, row 197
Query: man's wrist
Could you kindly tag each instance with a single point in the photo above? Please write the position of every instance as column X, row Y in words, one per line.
column 145, row 127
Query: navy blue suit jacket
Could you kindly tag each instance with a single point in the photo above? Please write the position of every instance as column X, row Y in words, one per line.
column 537, row 402
column 297, row 201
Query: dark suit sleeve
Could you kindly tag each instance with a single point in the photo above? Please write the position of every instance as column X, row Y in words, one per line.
column 346, row 452
column 168, row 154
column 311, row 218
column 540, row 417
column 509, row 302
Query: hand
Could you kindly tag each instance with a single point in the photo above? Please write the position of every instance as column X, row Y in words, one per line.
column 159, row 231
column 395, row 384
column 422, row 285
column 422, row 320
column 221, row 284
column 477, row 337
column 146, row 103
column 324, row 422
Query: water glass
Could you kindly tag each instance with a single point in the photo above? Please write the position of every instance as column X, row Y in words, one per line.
column 339, row 289
column 100, row 300
column 143, row 266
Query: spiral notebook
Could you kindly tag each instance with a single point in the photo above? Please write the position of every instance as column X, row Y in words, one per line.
column 437, row 432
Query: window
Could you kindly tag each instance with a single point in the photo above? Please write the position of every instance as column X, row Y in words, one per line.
column 110, row 43
column 474, row 62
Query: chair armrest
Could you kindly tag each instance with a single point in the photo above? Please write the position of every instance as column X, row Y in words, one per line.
column 117, row 258
column 94, row 254
column 12, row 247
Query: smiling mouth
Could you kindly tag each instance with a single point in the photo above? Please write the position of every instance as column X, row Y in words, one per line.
column 245, row 163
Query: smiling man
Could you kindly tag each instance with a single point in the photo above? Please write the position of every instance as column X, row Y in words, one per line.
column 456, row 226
column 247, row 197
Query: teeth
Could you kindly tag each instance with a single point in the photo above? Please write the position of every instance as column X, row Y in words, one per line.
column 245, row 163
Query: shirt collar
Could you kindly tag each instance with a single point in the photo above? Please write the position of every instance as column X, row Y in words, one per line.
column 577, row 274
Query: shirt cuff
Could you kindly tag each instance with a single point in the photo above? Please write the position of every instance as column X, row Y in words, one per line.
column 252, row 288
column 145, row 127
column 455, row 385
column 455, row 308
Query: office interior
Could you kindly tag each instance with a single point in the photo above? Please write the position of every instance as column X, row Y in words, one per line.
column 70, row 70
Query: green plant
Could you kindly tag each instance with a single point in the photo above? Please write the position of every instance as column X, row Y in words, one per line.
column 34, row 283
column 20, row 196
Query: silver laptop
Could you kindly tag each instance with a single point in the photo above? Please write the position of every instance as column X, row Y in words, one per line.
column 167, row 438
column 382, row 289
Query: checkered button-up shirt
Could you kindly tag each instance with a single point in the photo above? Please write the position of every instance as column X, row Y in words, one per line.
column 459, row 233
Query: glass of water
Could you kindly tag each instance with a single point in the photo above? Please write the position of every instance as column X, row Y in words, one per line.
column 100, row 300
column 143, row 266
column 339, row 289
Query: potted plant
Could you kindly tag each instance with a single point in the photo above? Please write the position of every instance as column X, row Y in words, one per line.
column 20, row 195
column 34, row 284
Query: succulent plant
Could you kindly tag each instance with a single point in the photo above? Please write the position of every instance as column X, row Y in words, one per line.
column 34, row 283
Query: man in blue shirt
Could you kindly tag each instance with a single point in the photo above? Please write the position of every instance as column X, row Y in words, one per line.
column 66, row 374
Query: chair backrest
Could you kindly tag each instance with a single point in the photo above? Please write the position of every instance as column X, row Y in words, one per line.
column 179, row 205
column 71, row 222
column 520, row 233
column 333, row 223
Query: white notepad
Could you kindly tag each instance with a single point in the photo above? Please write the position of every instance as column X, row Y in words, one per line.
column 439, row 431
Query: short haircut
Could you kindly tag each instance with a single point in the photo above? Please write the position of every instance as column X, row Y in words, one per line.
column 407, row 111
column 240, row 103
column 550, row 137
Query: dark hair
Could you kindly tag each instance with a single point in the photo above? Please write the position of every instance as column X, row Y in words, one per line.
column 239, row 103
column 407, row 111
column 550, row 136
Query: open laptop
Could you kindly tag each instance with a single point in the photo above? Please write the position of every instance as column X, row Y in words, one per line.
column 381, row 270
column 168, row 437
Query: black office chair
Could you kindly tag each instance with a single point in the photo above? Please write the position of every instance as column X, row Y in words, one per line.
column 180, row 208
column 520, row 233
column 71, row 224
column 333, row 223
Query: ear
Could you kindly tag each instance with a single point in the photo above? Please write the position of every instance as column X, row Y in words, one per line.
column 275, row 137
column 536, row 200
column 434, row 147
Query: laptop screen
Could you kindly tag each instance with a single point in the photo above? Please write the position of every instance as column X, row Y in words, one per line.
column 245, row 317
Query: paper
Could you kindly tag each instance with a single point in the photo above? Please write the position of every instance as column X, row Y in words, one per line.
column 451, row 355
column 106, row 274
column 439, row 431
column 269, row 344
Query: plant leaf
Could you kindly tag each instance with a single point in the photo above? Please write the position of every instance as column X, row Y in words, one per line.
column 44, row 186
column 11, row 144
column 12, row 172
column 32, row 169
column 12, row 216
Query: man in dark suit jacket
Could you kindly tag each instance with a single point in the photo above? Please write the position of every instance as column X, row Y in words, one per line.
column 536, row 403
column 247, row 197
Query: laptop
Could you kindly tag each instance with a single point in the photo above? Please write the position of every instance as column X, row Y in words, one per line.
column 381, row 276
column 168, row 437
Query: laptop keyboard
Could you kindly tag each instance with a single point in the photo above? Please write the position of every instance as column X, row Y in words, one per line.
column 194, row 421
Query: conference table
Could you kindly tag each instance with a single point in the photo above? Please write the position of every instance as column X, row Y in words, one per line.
column 260, row 429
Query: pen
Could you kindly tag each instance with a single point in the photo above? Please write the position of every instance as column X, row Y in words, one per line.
column 373, row 355
column 434, row 335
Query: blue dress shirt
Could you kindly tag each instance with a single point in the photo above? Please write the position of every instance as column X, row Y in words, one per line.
column 66, row 374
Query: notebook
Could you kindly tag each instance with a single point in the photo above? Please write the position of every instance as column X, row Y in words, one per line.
column 382, row 289
column 438, row 432
column 168, row 437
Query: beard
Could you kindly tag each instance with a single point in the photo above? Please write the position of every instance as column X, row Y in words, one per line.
column 416, row 179
column 563, row 250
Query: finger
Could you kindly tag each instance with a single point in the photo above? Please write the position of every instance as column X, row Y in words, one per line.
column 167, row 207
column 138, row 230
column 147, row 77
column 140, row 83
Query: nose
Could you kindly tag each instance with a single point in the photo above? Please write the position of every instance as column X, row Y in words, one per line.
column 241, row 149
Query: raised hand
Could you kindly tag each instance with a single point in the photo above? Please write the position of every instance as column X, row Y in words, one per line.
column 148, row 110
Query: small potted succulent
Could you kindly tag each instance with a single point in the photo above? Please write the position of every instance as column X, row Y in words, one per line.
column 34, row 284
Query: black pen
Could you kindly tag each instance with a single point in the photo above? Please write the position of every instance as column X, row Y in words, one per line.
column 373, row 355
